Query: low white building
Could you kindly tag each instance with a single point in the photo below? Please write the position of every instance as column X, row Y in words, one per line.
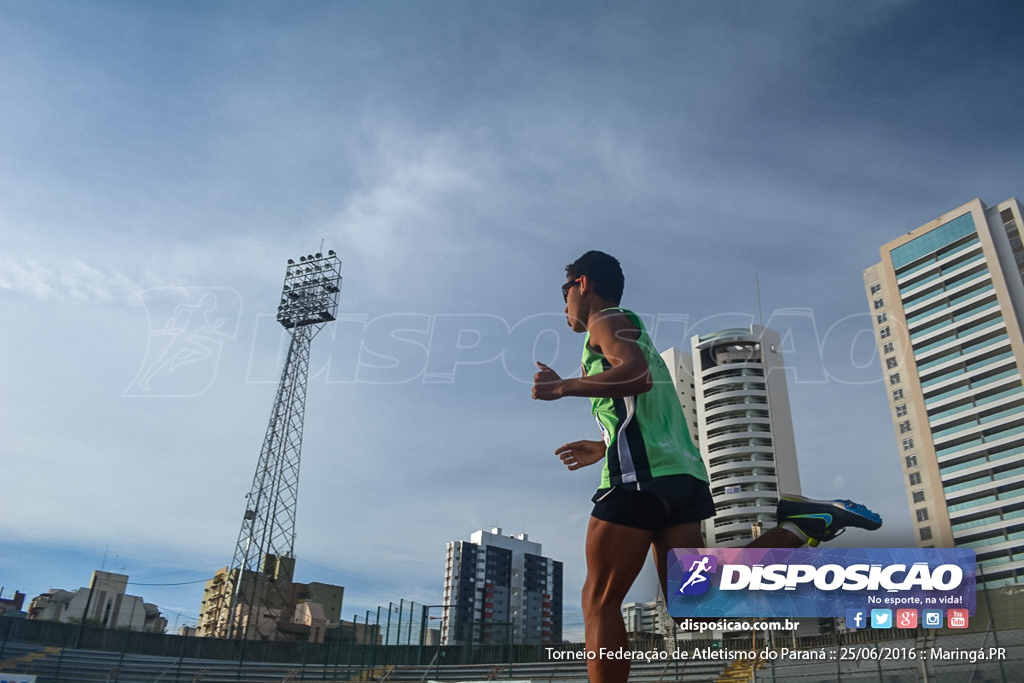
column 104, row 603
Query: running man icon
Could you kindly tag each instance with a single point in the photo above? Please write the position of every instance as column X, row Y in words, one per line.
column 697, row 582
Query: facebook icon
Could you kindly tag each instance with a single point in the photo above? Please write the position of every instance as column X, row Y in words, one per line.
column 855, row 618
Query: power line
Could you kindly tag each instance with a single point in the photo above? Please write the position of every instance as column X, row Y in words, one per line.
column 183, row 583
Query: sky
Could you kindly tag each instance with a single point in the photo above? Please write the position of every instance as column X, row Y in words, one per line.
column 743, row 160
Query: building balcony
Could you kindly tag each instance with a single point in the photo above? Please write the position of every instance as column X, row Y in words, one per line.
column 735, row 411
column 930, row 269
column 739, row 447
column 739, row 528
column 965, row 389
column 970, row 272
column 766, row 489
column 960, row 315
column 734, row 422
column 979, row 406
column 735, row 365
column 728, row 391
column 754, row 435
column 975, row 376
column 744, row 515
column 992, row 522
column 991, row 568
column 989, row 430
column 995, row 351
column 719, row 385
column 745, row 480
column 737, row 404
column 741, row 468
column 993, row 498
column 998, row 544
column 943, row 292
column 949, row 339
column 976, row 483
column 749, row 454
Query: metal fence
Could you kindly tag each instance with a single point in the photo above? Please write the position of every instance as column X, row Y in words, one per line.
column 991, row 649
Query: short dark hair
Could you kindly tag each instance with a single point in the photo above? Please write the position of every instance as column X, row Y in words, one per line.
column 603, row 271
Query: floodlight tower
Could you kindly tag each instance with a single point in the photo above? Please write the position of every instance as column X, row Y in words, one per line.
column 260, row 575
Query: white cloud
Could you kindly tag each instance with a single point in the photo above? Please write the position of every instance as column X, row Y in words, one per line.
column 69, row 279
column 417, row 198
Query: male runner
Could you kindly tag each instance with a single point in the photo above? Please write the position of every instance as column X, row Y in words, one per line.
column 654, row 488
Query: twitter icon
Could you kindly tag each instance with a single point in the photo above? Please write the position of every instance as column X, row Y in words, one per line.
column 881, row 618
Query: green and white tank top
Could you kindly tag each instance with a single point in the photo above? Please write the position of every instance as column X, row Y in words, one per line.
column 646, row 435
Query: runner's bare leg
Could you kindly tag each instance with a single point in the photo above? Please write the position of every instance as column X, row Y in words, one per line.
column 615, row 556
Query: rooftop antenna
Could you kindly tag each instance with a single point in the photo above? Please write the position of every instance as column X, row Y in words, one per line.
column 760, row 315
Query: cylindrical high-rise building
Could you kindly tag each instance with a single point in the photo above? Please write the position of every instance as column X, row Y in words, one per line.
column 733, row 389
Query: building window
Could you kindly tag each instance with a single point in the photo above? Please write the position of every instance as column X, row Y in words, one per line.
column 884, row 333
column 897, row 394
column 915, row 479
column 911, row 460
column 887, row 347
column 876, row 288
column 918, row 496
column 926, row 533
column 890, row 363
column 922, row 514
column 878, row 303
column 908, row 443
column 881, row 317
column 894, row 378
column 904, row 426
column 901, row 410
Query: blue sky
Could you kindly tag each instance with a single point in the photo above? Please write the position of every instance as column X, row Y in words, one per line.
column 456, row 155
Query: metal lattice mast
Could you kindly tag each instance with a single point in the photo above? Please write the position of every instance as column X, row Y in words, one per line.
column 260, row 575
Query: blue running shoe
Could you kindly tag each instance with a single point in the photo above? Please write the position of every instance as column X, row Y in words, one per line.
column 823, row 520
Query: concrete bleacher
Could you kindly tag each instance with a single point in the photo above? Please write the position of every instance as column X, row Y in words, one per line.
column 54, row 665
column 563, row 672
column 84, row 666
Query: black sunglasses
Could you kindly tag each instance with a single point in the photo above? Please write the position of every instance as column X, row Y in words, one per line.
column 566, row 287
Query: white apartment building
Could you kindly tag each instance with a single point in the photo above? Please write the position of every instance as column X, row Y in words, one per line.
column 948, row 306
column 104, row 603
column 732, row 386
column 500, row 589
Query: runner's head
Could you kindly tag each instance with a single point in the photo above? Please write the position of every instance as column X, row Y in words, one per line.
column 602, row 271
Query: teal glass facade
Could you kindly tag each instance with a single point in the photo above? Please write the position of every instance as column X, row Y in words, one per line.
column 933, row 241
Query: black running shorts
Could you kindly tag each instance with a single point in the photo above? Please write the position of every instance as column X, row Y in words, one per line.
column 677, row 499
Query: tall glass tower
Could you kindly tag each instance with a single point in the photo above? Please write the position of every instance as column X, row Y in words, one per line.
column 948, row 306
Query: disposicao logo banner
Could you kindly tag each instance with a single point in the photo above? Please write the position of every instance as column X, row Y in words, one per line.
column 816, row 582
